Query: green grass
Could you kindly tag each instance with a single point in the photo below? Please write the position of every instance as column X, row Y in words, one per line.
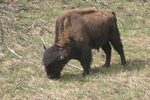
column 24, row 78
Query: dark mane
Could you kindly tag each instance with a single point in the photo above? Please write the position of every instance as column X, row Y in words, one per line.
column 50, row 55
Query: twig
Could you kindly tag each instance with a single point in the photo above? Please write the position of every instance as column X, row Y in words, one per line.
column 47, row 3
column 2, row 70
column 45, row 47
column 45, row 43
column 74, row 66
column 4, row 17
column 14, row 53
column 28, row 43
column 43, row 40
column 17, row 84
column 6, row 12
column 18, row 55
column 19, row 27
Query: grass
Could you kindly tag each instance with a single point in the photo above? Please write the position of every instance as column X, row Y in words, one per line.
column 24, row 78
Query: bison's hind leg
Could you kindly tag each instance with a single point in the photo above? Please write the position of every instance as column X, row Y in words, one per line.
column 107, row 49
column 119, row 48
column 116, row 42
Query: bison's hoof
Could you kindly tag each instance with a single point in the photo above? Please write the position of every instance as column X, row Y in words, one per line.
column 85, row 74
column 106, row 65
column 55, row 78
column 125, row 65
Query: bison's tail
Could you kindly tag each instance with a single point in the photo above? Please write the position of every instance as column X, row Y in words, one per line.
column 113, row 13
column 114, row 16
column 115, row 19
column 114, row 30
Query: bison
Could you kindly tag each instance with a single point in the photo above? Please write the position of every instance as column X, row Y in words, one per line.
column 79, row 31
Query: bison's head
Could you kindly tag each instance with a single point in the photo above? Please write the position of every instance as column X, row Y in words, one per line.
column 54, row 60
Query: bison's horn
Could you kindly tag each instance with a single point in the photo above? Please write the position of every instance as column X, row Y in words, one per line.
column 44, row 47
column 61, row 58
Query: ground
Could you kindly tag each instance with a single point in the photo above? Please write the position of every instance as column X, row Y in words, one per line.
column 25, row 25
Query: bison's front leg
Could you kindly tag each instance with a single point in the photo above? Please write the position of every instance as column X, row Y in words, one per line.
column 107, row 49
column 85, row 60
column 86, row 68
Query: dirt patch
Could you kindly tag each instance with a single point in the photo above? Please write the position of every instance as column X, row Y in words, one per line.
column 37, row 31
column 6, row 63
column 9, row 62
column 2, row 55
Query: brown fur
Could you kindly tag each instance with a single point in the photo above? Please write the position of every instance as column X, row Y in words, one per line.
column 79, row 31
column 89, row 16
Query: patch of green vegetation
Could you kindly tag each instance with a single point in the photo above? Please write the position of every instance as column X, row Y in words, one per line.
column 9, row 56
column 21, row 1
column 21, row 16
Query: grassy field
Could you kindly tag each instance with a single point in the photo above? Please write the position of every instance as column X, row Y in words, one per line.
column 27, row 24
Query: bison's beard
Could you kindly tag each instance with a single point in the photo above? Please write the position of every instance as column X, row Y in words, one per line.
column 53, row 62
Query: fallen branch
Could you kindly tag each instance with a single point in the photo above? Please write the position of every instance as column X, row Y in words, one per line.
column 2, row 70
column 14, row 53
column 6, row 12
column 74, row 66
column 45, row 46
column 47, row 3
column 45, row 43
column 17, row 85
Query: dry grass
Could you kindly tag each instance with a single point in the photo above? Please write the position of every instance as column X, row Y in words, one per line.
column 24, row 77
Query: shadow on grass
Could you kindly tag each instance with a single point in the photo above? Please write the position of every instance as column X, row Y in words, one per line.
column 136, row 64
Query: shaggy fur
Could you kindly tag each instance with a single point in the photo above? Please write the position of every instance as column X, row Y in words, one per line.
column 52, row 62
column 79, row 31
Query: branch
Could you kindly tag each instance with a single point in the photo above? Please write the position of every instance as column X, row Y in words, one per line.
column 47, row 3
column 6, row 12
column 14, row 53
column 2, row 71
column 75, row 66
column 17, row 84
column 45, row 46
